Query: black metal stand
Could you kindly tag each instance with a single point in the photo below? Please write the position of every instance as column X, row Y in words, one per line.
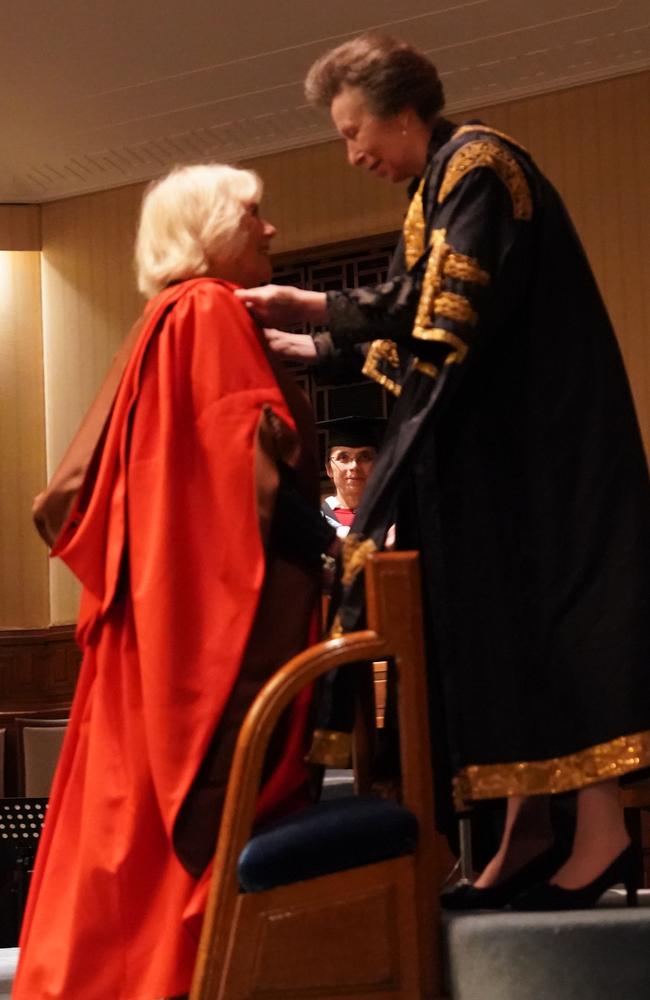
column 21, row 822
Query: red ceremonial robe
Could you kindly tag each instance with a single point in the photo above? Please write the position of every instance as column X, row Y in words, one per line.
column 168, row 539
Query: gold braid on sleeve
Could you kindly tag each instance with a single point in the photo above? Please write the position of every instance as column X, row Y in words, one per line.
column 456, row 307
column 463, row 268
column 436, row 302
column 432, row 283
column 490, row 154
column 382, row 352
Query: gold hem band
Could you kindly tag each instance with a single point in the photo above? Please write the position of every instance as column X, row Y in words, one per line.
column 558, row 774
column 356, row 550
column 330, row 748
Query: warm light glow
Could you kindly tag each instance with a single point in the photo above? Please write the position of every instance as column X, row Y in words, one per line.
column 6, row 267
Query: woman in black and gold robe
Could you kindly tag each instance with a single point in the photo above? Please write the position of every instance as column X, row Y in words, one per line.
column 512, row 461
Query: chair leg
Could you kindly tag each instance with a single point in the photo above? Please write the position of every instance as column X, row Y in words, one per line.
column 635, row 830
column 465, row 841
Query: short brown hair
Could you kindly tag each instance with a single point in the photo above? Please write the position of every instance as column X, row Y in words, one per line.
column 391, row 74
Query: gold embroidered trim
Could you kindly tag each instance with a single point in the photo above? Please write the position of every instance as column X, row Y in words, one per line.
column 330, row 748
column 466, row 129
column 456, row 307
column 440, row 336
column 483, row 153
column 432, row 282
column 414, row 227
column 457, row 265
column 426, row 368
column 559, row 774
column 336, row 628
column 355, row 552
column 382, row 350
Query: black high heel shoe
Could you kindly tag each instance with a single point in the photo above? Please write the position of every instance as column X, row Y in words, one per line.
column 547, row 896
column 495, row 897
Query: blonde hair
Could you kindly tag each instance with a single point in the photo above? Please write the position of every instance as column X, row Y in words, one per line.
column 189, row 220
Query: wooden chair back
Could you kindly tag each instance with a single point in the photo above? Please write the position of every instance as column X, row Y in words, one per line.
column 12, row 720
column 38, row 744
column 398, row 899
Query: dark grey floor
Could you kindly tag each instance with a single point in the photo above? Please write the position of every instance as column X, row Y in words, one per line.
column 600, row 954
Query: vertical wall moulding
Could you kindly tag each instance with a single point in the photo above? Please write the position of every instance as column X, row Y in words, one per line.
column 23, row 557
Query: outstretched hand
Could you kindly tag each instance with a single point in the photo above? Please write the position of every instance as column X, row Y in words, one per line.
column 283, row 305
column 297, row 346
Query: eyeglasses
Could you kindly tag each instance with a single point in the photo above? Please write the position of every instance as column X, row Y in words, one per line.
column 343, row 459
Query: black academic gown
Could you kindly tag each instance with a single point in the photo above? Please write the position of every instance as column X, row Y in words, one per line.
column 513, row 462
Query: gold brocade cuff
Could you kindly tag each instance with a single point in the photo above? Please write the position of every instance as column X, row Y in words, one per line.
column 558, row 774
column 330, row 748
column 382, row 352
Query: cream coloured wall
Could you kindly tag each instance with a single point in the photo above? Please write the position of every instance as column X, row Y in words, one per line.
column 591, row 141
column 89, row 303
column 23, row 557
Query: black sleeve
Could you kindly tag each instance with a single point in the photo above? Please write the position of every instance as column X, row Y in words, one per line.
column 377, row 312
column 474, row 269
column 338, row 365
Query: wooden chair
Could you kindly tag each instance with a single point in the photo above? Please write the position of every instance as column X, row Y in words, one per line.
column 370, row 931
column 11, row 720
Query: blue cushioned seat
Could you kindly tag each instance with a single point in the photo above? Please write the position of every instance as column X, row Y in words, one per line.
column 325, row 838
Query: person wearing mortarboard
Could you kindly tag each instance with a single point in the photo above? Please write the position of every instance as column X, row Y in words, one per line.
column 351, row 453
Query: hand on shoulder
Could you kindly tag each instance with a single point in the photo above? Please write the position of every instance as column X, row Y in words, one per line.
column 282, row 305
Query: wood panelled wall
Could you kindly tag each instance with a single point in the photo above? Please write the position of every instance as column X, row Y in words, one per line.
column 592, row 141
column 594, row 144
column 20, row 227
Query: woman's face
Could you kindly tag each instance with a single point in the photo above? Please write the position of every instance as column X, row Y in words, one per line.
column 251, row 265
column 393, row 148
column 349, row 469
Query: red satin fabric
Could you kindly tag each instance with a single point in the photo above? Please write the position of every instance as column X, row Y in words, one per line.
column 166, row 543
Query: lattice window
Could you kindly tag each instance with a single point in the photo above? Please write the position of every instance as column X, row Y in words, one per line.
column 352, row 269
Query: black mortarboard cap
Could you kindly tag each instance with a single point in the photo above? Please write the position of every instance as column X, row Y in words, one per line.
column 355, row 431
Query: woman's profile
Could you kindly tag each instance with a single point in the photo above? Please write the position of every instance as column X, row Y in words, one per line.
column 194, row 592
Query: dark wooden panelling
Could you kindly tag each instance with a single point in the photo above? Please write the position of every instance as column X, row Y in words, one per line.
column 38, row 668
column 38, row 673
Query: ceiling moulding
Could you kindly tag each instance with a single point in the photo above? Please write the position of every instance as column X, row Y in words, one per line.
column 92, row 171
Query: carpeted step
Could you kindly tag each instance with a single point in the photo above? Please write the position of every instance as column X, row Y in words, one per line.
column 601, row 954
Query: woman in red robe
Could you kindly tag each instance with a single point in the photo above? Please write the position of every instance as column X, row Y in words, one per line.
column 195, row 589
